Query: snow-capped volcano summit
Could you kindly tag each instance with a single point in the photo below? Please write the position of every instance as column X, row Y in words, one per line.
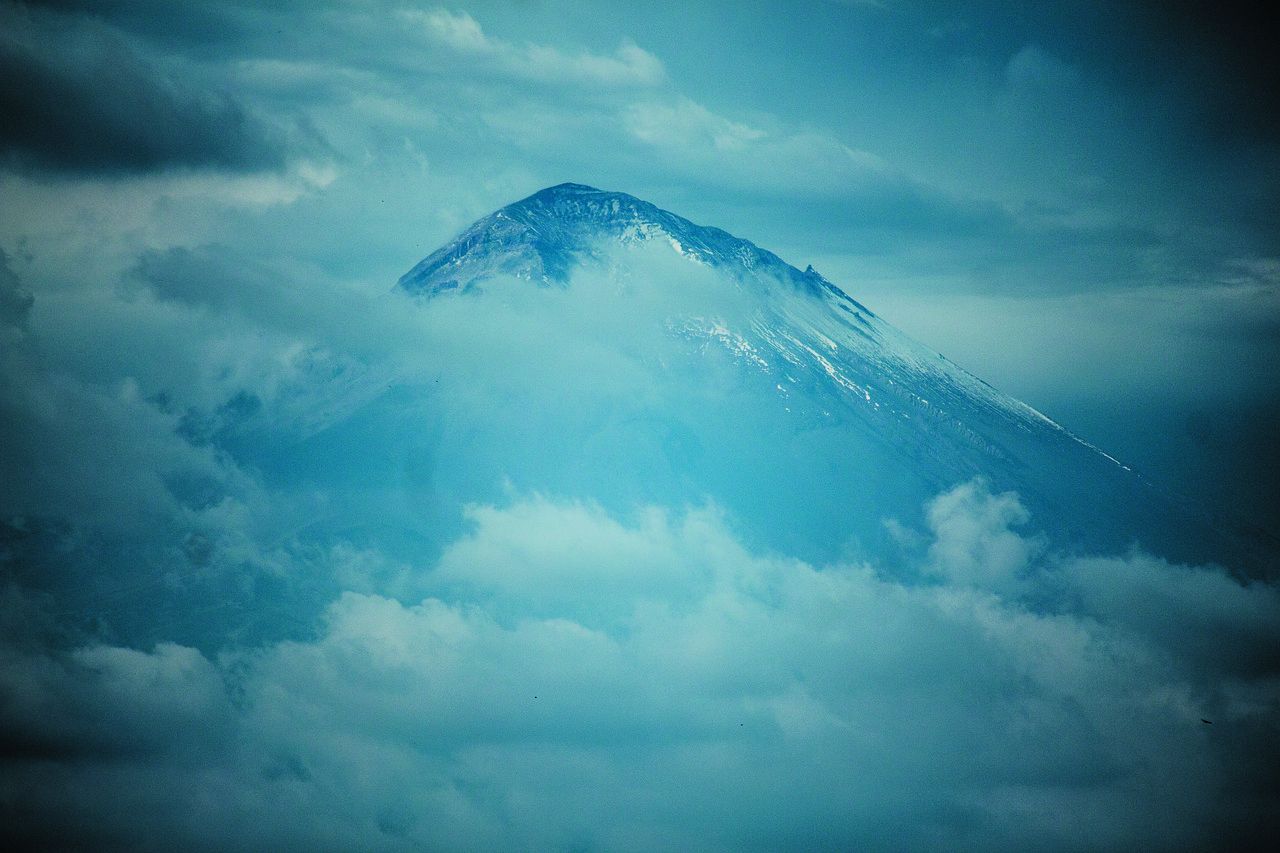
column 543, row 236
column 768, row 390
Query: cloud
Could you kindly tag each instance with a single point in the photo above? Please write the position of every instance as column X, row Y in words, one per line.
column 628, row 66
column 717, row 149
column 811, row 181
column 791, row 676
column 511, row 553
column 860, row 710
column 687, row 124
column 106, row 702
column 79, row 99
column 96, row 454
column 1032, row 70
column 15, row 300
column 974, row 544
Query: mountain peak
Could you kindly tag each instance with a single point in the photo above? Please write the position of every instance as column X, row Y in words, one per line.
column 542, row 237
column 568, row 188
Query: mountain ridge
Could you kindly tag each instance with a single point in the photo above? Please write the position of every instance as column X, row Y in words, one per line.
column 543, row 235
column 883, row 408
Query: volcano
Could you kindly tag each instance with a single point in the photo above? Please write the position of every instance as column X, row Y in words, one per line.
column 779, row 397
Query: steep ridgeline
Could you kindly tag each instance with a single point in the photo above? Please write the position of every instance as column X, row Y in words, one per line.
column 822, row 420
column 543, row 237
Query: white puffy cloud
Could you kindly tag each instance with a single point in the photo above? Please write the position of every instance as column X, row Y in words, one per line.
column 551, row 556
column 692, row 691
column 974, row 544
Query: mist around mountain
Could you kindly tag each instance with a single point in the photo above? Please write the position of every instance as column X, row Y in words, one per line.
column 601, row 531
column 871, row 422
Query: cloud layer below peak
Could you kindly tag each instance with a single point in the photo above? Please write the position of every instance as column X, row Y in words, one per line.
column 689, row 691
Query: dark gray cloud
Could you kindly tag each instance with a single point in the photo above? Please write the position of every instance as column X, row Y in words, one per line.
column 15, row 300
column 1193, row 87
column 212, row 276
column 1217, row 61
column 78, row 98
column 206, row 24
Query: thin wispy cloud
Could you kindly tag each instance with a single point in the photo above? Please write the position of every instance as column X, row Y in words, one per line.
column 629, row 65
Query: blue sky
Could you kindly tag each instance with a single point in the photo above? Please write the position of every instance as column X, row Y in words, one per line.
column 245, row 606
